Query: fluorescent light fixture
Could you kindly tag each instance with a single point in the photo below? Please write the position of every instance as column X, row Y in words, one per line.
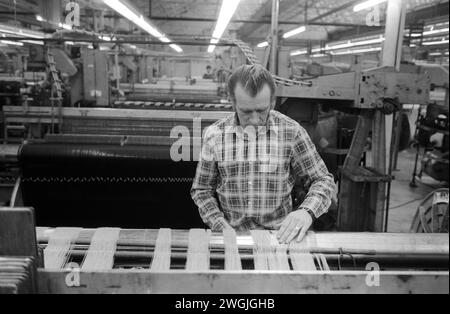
column 9, row 42
column 21, row 32
column 355, row 51
column 263, row 44
column 65, row 26
column 342, row 45
column 140, row 21
column 294, row 32
column 40, row 18
column 368, row 42
column 318, row 55
column 299, row 52
column 350, row 44
column 176, row 48
column 105, row 38
column 304, row 51
column 34, row 42
column 338, row 46
column 435, row 31
column 226, row 13
column 431, row 43
column 367, row 4
column 431, row 32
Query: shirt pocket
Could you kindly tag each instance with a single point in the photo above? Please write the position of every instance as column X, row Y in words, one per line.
column 229, row 169
column 271, row 165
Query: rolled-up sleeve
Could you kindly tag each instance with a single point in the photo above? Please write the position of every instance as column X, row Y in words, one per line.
column 205, row 183
column 307, row 163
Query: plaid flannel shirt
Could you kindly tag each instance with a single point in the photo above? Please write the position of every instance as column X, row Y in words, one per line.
column 246, row 179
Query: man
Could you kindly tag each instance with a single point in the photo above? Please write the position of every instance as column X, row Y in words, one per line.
column 209, row 75
column 250, row 161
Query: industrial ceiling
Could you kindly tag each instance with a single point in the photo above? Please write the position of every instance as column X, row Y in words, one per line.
column 326, row 20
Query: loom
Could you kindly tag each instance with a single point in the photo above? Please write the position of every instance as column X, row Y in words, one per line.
column 112, row 166
column 113, row 260
column 181, row 89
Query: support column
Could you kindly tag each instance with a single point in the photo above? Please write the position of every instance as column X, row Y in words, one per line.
column 274, row 36
column 382, row 125
column 392, row 50
column 395, row 25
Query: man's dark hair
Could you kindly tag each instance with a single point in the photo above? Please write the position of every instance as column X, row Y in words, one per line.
column 252, row 78
column 208, row 67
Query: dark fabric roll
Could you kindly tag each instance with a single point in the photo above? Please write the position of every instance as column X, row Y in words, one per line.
column 108, row 185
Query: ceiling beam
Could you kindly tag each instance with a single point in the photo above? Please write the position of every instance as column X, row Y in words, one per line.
column 208, row 20
column 191, row 19
column 124, row 41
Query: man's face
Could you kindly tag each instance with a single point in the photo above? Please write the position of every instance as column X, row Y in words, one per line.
column 252, row 111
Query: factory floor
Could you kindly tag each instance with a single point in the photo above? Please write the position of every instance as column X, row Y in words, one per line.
column 404, row 200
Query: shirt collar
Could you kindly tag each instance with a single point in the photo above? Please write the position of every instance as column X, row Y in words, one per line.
column 269, row 127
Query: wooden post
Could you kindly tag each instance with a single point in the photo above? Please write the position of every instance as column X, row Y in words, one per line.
column 379, row 163
column 346, row 216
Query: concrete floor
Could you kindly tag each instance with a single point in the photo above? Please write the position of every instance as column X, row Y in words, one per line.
column 404, row 200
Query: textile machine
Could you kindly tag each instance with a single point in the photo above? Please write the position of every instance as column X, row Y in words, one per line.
column 124, row 154
column 113, row 166
column 113, row 260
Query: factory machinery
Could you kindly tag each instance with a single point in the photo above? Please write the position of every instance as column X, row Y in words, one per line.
column 89, row 103
column 111, row 165
column 113, row 260
column 126, row 152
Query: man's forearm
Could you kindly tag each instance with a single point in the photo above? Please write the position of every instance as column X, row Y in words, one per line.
column 209, row 209
column 319, row 196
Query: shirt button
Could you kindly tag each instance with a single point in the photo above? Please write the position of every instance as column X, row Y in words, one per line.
column 249, row 182
column 250, row 203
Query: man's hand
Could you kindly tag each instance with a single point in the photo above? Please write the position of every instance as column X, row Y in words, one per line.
column 296, row 224
column 227, row 226
column 220, row 227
